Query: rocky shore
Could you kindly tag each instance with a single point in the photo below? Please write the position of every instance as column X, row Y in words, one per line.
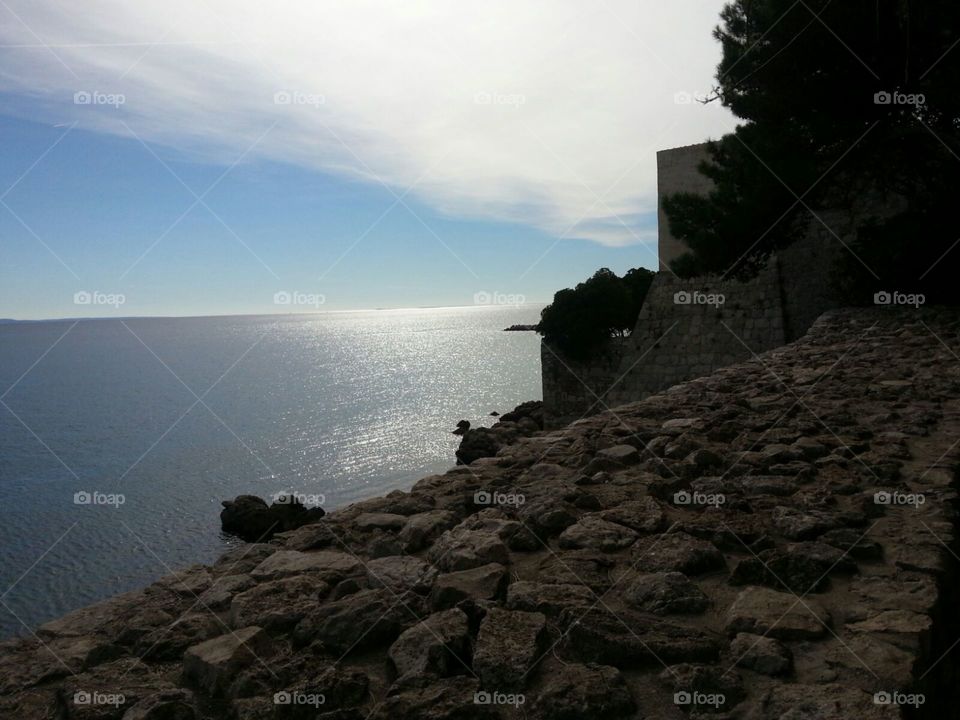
column 775, row 541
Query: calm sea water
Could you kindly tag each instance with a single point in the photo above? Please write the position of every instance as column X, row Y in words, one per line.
column 178, row 414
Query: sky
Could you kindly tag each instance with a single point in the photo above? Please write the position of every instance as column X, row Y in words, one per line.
column 202, row 157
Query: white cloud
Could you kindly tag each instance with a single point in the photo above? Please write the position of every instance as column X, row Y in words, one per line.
column 547, row 113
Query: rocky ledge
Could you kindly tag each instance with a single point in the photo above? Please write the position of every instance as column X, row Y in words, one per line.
column 774, row 541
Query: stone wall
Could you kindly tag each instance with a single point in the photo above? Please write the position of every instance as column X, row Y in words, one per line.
column 675, row 341
column 686, row 329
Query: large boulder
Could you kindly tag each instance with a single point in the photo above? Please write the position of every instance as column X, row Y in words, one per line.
column 595, row 533
column 665, row 594
column 250, row 518
column 778, row 615
column 213, row 664
column 508, row 646
column 583, row 692
column 481, row 584
column 438, row 646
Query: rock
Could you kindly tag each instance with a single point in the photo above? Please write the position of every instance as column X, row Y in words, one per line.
column 277, row 605
column 800, row 567
column 213, row 664
column 249, row 517
column 665, row 594
column 625, row 639
column 676, row 552
column 583, row 692
column 803, row 525
column 401, row 573
column 508, row 645
column 546, row 598
column 220, row 594
column 363, row 620
column 462, row 427
column 595, row 533
column 703, row 690
column 423, row 528
column 478, row 443
column 485, row 583
column 163, row 705
column 577, row 567
column 623, row 454
column 761, row 654
column 453, row 698
column 644, row 515
column 438, row 646
column 776, row 614
column 168, row 642
column 380, row 521
column 462, row 548
column 828, row 701
column 327, row 565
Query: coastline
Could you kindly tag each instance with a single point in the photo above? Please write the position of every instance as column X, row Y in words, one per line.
column 608, row 566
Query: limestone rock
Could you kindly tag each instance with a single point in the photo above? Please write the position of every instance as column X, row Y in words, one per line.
column 583, row 692
column 776, row 614
column 594, row 533
column 508, row 645
column 212, row 664
column 438, row 646
column 665, row 594
column 761, row 654
column 485, row 583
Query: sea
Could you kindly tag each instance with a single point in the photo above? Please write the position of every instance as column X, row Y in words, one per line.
column 119, row 438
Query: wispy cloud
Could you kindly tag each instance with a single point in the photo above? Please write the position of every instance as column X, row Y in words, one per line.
column 546, row 113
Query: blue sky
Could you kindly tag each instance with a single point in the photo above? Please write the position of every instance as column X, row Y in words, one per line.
column 517, row 175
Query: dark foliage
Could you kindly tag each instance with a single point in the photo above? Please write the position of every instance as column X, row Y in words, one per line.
column 581, row 319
